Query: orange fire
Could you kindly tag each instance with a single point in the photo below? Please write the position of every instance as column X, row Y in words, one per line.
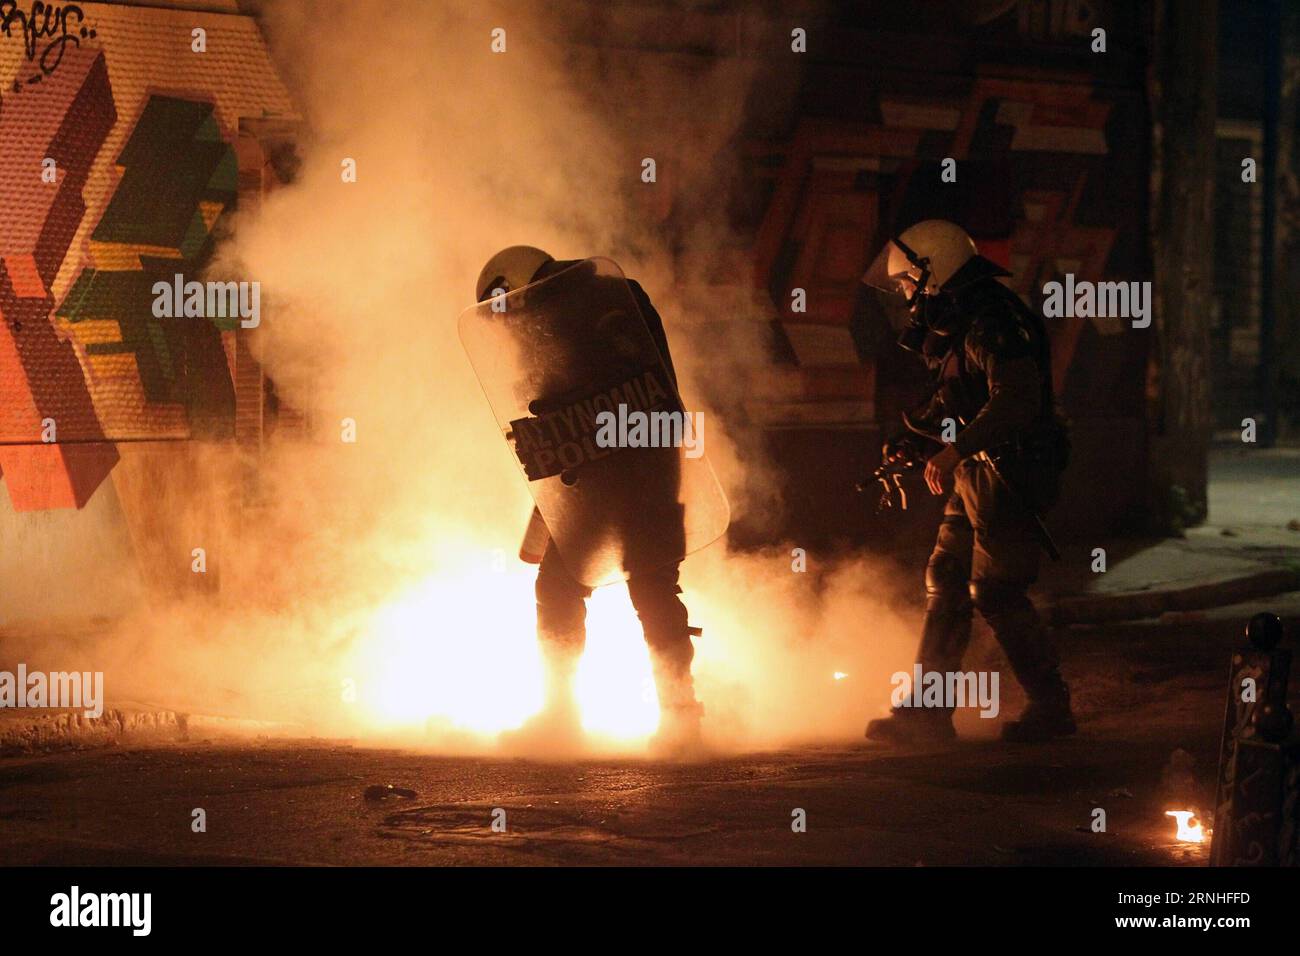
column 1189, row 826
column 459, row 653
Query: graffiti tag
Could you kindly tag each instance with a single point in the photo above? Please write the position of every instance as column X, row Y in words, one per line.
column 46, row 29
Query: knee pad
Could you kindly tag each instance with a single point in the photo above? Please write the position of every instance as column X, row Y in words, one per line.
column 656, row 596
column 664, row 619
column 667, row 627
column 556, row 587
column 561, row 606
column 993, row 597
column 945, row 578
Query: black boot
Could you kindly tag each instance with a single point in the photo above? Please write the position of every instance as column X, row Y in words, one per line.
column 1032, row 654
column 944, row 637
column 656, row 597
column 679, row 736
column 556, row 730
column 1044, row 719
column 913, row 727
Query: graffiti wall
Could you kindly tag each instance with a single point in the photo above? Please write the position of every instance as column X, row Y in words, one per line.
column 118, row 170
column 1011, row 118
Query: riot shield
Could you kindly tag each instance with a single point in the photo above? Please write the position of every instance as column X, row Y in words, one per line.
column 593, row 418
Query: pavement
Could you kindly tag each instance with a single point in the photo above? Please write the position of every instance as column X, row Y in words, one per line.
column 1149, row 699
column 1144, row 644
column 1149, row 706
column 1249, row 548
column 302, row 802
column 1212, row 566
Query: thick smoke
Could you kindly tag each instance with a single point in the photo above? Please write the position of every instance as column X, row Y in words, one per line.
column 460, row 151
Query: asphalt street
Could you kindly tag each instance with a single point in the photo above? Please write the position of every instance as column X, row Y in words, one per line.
column 1150, row 700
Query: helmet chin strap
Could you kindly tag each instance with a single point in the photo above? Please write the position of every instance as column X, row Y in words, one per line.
column 498, row 283
column 918, row 262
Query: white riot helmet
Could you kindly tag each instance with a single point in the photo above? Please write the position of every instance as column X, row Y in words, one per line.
column 932, row 250
column 511, row 268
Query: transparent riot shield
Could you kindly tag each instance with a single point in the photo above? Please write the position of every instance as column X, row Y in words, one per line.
column 592, row 416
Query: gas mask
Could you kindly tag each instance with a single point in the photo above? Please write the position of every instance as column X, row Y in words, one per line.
column 930, row 330
column 932, row 317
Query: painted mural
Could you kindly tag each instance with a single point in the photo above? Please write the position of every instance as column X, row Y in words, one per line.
column 1051, row 182
column 117, row 167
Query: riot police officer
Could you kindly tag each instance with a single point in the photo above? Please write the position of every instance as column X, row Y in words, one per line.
column 1004, row 445
column 654, row 590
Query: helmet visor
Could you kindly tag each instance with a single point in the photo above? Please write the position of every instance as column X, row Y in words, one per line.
column 892, row 272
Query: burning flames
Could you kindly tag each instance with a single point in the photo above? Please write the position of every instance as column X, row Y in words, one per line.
column 1189, row 826
column 459, row 653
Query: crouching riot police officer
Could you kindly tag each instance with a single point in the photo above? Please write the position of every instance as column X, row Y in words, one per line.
column 586, row 325
column 1002, row 440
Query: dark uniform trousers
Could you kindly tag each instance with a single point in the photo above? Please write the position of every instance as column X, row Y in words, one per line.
column 986, row 557
column 562, row 622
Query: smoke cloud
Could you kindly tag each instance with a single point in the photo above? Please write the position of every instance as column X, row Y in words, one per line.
column 375, row 588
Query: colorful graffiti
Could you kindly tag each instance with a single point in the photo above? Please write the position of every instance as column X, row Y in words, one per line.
column 116, row 170
column 1041, row 188
column 178, row 178
column 41, row 379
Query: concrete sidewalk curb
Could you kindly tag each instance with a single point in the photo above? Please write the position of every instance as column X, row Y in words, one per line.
column 40, row 732
column 48, row 731
column 1064, row 610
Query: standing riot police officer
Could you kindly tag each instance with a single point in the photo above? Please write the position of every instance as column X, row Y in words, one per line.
column 993, row 389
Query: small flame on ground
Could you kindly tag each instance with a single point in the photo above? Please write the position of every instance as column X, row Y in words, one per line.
column 1189, row 826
